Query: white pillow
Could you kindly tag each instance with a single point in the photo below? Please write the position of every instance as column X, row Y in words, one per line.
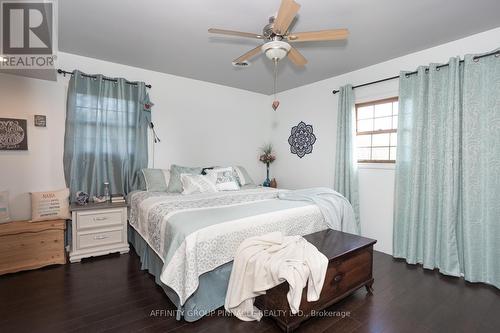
column 197, row 184
column 50, row 205
column 224, row 179
column 4, row 206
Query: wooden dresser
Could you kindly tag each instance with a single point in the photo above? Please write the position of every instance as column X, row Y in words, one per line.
column 28, row 245
column 349, row 268
column 98, row 229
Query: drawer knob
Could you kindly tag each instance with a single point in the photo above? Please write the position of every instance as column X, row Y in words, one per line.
column 100, row 219
column 99, row 237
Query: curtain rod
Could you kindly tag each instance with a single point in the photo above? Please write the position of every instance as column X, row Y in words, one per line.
column 63, row 72
column 495, row 53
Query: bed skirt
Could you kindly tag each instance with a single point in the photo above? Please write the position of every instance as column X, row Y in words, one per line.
column 209, row 296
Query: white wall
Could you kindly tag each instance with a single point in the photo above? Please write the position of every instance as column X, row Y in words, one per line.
column 40, row 168
column 199, row 123
column 316, row 105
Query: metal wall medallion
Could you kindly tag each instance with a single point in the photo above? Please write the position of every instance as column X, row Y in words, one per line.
column 302, row 139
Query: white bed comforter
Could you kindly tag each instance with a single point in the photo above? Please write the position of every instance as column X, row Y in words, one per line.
column 195, row 234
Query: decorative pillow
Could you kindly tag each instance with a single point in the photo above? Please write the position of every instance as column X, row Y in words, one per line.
column 156, row 179
column 224, row 179
column 4, row 206
column 52, row 205
column 197, row 184
column 242, row 176
column 175, row 184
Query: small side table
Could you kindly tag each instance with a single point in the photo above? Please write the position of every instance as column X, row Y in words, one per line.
column 98, row 229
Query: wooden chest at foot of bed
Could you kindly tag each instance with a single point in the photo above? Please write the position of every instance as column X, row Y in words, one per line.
column 349, row 268
column 28, row 245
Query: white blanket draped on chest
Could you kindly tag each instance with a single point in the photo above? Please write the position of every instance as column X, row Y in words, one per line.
column 263, row 262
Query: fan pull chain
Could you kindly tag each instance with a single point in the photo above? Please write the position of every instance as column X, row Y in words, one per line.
column 275, row 76
column 276, row 103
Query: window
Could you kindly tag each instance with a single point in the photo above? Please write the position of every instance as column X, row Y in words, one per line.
column 106, row 135
column 376, row 131
column 108, row 119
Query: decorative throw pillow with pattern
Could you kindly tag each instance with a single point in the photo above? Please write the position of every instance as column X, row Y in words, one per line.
column 197, row 184
column 50, row 205
column 224, row 179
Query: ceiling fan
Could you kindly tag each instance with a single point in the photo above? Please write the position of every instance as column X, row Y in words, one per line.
column 277, row 36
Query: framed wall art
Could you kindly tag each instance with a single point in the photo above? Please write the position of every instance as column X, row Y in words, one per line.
column 40, row 120
column 13, row 134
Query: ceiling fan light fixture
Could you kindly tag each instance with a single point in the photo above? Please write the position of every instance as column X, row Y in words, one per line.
column 276, row 50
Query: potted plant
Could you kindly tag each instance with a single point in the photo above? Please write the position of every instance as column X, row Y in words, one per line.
column 267, row 157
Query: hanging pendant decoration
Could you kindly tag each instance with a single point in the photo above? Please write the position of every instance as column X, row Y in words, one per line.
column 276, row 103
column 148, row 105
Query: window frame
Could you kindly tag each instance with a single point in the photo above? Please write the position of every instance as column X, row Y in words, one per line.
column 388, row 131
column 96, row 104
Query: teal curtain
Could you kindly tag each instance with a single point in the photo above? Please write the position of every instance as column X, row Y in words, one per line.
column 106, row 135
column 448, row 167
column 481, row 170
column 346, row 169
column 427, row 168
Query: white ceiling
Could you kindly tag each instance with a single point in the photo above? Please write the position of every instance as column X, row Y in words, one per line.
column 171, row 36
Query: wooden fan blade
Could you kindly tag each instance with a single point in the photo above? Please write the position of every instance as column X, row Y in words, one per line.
column 296, row 57
column 248, row 55
column 334, row 34
column 286, row 13
column 234, row 33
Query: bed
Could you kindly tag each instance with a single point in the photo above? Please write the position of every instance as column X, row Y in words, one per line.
column 188, row 241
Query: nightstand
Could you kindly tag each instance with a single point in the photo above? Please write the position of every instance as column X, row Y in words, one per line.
column 98, row 229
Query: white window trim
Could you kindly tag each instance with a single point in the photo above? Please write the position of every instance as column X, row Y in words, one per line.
column 380, row 166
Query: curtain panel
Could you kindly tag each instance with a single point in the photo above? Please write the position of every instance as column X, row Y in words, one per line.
column 480, row 181
column 106, row 135
column 447, row 212
column 346, row 169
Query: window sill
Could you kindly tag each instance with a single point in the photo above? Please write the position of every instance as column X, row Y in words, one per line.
column 381, row 166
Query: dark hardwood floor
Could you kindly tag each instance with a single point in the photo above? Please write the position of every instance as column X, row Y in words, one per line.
column 111, row 294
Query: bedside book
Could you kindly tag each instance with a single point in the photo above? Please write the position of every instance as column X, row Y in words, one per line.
column 117, row 198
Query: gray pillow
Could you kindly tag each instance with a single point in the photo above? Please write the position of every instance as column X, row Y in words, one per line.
column 175, row 184
column 156, row 179
column 243, row 176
